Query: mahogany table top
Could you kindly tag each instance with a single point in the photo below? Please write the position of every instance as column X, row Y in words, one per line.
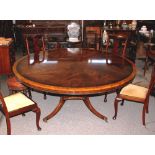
column 75, row 72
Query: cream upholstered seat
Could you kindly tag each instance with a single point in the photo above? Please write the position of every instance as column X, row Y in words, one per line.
column 136, row 94
column 18, row 104
column 17, row 101
column 134, row 91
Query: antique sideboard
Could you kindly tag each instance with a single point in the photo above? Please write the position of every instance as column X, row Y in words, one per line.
column 6, row 57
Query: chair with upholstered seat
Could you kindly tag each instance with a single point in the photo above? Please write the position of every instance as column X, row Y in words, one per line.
column 15, row 86
column 119, row 45
column 136, row 93
column 17, row 104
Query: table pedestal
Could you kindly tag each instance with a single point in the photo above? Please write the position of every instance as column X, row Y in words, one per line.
column 85, row 100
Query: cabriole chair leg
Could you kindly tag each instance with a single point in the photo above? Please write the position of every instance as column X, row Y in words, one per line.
column 38, row 113
column 105, row 98
column 116, row 108
column 122, row 103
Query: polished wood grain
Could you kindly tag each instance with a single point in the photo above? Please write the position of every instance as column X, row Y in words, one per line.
column 82, row 72
column 85, row 100
column 5, row 61
column 75, row 74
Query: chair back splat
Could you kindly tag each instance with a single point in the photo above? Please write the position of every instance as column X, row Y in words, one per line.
column 119, row 40
column 38, row 49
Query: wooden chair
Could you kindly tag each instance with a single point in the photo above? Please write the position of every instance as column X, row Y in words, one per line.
column 136, row 93
column 119, row 41
column 91, row 40
column 36, row 48
column 17, row 104
column 150, row 55
column 92, row 37
column 15, row 86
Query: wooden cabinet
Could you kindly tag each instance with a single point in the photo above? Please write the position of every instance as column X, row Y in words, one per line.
column 5, row 59
column 53, row 31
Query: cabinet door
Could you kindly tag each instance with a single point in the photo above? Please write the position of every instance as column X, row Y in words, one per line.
column 5, row 67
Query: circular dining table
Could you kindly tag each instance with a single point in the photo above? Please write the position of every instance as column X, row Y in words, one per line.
column 75, row 74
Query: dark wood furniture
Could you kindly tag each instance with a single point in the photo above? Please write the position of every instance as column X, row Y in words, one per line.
column 136, row 93
column 92, row 37
column 7, row 58
column 119, row 47
column 14, row 86
column 6, row 61
column 57, row 31
column 53, row 31
column 115, row 30
column 18, row 104
column 38, row 44
column 119, row 44
column 76, row 74
column 132, row 40
column 150, row 55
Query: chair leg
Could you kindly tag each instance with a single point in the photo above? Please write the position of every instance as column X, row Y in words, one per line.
column 116, row 108
column 145, row 66
column 122, row 103
column 23, row 114
column 105, row 97
column 29, row 92
column 45, row 97
column 38, row 113
column 8, row 123
column 147, row 106
column 143, row 115
column 117, row 92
